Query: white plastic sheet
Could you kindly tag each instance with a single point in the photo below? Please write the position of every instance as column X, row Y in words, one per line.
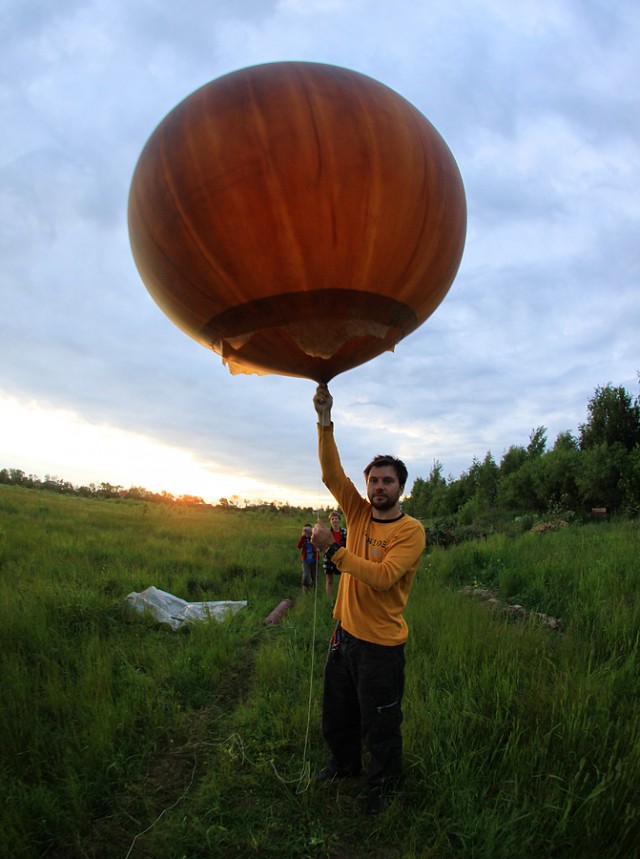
column 166, row 608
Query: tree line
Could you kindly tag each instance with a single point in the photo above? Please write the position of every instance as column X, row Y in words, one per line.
column 597, row 468
column 17, row 477
column 101, row 491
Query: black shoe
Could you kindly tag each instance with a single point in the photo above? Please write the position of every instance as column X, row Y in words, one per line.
column 331, row 772
column 377, row 801
column 375, row 804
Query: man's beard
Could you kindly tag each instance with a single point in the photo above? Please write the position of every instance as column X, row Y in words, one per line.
column 384, row 502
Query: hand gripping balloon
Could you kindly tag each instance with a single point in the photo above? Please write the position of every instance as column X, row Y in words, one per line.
column 296, row 218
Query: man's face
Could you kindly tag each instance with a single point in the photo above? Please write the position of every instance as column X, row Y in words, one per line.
column 383, row 487
column 335, row 522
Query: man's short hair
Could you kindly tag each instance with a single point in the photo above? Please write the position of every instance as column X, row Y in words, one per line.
column 381, row 461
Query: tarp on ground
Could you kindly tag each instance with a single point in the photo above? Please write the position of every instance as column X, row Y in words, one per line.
column 167, row 608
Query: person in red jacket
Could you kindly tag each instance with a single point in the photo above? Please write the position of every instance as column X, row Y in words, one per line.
column 364, row 673
column 339, row 536
column 310, row 556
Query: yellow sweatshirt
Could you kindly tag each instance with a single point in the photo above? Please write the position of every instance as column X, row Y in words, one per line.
column 379, row 562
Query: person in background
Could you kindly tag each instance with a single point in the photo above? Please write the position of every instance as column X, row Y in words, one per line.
column 340, row 537
column 364, row 672
column 310, row 556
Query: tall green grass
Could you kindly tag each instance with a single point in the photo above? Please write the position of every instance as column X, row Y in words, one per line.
column 122, row 738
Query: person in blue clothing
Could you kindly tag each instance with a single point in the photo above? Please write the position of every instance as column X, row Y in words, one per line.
column 309, row 555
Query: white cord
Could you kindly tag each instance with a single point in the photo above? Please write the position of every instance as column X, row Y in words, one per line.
column 306, row 765
column 163, row 812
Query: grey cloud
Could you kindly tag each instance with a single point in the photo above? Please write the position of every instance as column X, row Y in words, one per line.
column 542, row 119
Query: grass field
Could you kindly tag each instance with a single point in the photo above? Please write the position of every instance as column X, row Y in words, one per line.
column 122, row 738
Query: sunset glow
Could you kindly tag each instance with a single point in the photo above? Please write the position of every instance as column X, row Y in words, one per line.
column 60, row 444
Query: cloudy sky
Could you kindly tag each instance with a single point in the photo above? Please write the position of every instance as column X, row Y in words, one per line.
column 539, row 102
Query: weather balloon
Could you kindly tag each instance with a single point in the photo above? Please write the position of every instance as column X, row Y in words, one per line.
column 296, row 218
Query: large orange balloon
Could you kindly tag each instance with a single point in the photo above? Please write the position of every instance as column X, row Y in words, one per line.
column 297, row 218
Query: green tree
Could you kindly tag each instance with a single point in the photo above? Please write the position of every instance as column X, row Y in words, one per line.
column 602, row 468
column 566, row 441
column 614, row 417
column 429, row 497
column 556, row 478
column 629, row 484
column 482, row 489
column 537, row 442
column 518, row 491
column 512, row 460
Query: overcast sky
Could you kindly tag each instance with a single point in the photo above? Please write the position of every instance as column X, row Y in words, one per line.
column 539, row 102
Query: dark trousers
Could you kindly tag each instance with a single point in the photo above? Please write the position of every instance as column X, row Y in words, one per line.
column 309, row 574
column 363, row 687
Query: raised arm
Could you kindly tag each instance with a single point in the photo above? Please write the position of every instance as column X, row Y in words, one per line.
column 323, row 402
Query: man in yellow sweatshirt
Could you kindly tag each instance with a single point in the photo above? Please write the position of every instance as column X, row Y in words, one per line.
column 364, row 674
